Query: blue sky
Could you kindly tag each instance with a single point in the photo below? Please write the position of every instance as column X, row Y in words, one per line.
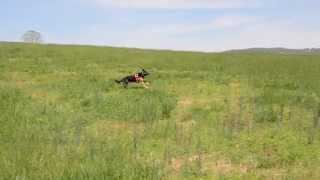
column 201, row 25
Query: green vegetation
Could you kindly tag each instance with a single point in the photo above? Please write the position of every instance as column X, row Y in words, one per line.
column 206, row 116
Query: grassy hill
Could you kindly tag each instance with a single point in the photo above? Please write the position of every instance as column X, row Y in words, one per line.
column 278, row 51
column 206, row 116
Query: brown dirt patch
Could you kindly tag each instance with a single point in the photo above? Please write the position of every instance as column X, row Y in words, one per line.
column 185, row 102
column 210, row 164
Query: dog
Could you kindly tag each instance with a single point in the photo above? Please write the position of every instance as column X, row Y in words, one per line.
column 136, row 78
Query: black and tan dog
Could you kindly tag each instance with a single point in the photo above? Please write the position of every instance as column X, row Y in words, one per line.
column 136, row 78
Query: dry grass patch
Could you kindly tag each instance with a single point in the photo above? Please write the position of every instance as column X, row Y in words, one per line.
column 210, row 164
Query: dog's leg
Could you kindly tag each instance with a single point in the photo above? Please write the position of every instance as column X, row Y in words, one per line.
column 125, row 83
column 144, row 85
column 146, row 82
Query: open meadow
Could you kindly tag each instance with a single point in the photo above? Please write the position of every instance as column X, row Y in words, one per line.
column 205, row 116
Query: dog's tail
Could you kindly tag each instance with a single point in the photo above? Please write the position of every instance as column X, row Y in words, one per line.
column 117, row 81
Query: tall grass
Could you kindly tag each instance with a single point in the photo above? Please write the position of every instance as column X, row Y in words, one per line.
column 214, row 116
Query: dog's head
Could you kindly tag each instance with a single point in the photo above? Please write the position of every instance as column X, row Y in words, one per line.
column 144, row 73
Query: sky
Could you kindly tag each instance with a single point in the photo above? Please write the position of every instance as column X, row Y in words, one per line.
column 196, row 25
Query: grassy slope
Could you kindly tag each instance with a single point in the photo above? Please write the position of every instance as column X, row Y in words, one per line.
column 206, row 115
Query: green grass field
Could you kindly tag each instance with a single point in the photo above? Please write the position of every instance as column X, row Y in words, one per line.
column 206, row 116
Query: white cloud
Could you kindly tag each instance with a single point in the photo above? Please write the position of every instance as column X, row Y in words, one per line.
column 233, row 21
column 179, row 4
column 274, row 34
column 220, row 23
column 249, row 33
column 223, row 33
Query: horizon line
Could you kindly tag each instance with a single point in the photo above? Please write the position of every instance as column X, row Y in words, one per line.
column 161, row 49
